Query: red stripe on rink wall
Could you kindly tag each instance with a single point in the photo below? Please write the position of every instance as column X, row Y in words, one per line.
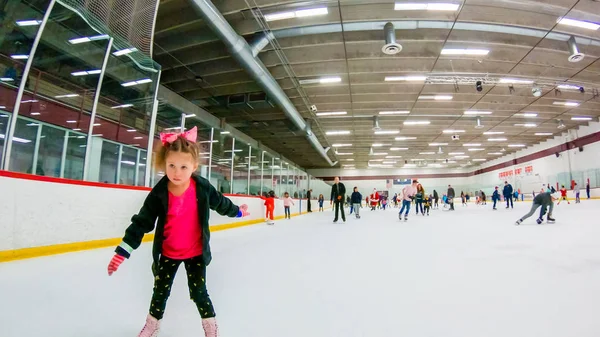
column 582, row 141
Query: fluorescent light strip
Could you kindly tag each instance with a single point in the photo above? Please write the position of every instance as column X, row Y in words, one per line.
column 438, row 144
column 122, row 106
column 487, row 133
column 515, row 81
column 337, row 133
column 344, row 153
column 543, row 133
column 453, row 131
column 132, row 83
column 6, row 79
column 333, row 113
column 66, row 96
column 341, row 145
column 568, row 87
column 497, row 139
column 581, row 118
column 426, row 153
column 455, row 153
column 190, row 115
column 88, row 39
column 19, row 57
column 477, row 112
column 516, row 145
column 417, row 122
column 17, row 139
column 380, row 145
column 296, row 14
column 404, row 112
column 393, row 157
column 453, row 51
column 527, row 114
column 578, row 23
column 399, row 6
column 472, row 144
column 398, row 148
column 86, row 72
column 496, row 153
column 566, row 103
column 527, row 125
column 405, row 78
column 479, row 159
column 405, row 138
column 473, row 150
column 437, row 97
column 387, row 132
column 380, row 153
column 25, row 23
column 124, row 51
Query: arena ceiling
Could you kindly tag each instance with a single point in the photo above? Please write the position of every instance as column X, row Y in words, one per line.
column 331, row 56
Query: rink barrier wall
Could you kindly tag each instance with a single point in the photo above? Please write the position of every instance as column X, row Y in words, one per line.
column 45, row 216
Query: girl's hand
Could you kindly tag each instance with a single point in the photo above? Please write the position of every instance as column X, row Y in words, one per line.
column 114, row 264
column 244, row 210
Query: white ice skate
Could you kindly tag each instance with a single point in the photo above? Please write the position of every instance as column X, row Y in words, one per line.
column 518, row 222
column 151, row 328
column 211, row 329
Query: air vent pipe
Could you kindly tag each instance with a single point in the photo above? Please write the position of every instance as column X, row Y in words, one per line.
column 241, row 51
column 575, row 56
column 390, row 47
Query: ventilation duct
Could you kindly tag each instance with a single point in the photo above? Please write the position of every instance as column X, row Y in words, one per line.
column 243, row 54
column 575, row 56
column 376, row 126
column 390, row 47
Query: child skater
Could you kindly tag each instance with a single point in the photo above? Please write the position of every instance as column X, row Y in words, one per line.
column 287, row 202
column 181, row 201
column 270, row 204
column 356, row 200
column 563, row 195
column 495, row 197
column 321, row 201
column 427, row 203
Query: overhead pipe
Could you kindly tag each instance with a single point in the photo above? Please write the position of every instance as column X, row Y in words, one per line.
column 575, row 55
column 390, row 47
column 241, row 51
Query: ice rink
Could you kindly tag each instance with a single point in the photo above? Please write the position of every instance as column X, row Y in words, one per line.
column 468, row 273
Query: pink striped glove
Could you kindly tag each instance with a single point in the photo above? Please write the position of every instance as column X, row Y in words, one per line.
column 243, row 211
column 114, row 264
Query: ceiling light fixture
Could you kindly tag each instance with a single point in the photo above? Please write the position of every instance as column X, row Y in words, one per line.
column 581, row 118
column 125, row 51
column 405, row 138
column 67, row 96
column 132, row 83
column 408, row 6
column 341, row 145
column 479, row 159
column 516, row 145
column 190, row 116
column 455, row 153
column 344, row 153
column 527, row 114
column 496, row 153
column 578, row 23
column 561, row 125
column 497, row 139
column 380, row 145
column 88, row 39
column 543, row 133
column 296, row 14
column 337, row 133
column 322, row 80
column 403, row 112
column 417, row 122
column 393, row 157
column 333, row 113
column 476, row 149
column 438, row 144
column 25, row 23
column 453, row 131
column 387, row 132
column 477, row 112
column 569, row 87
column 426, row 153
column 459, row 51
column 86, row 72
column 405, row 78
column 122, row 106
column 398, row 148
column 487, row 133
column 472, row 144
column 566, row 103
column 19, row 57
column 515, row 81
column 437, row 97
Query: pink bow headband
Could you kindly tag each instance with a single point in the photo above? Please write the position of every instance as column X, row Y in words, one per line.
column 169, row 138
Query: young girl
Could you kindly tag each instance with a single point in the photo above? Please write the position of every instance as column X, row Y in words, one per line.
column 563, row 195
column 181, row 201
column 321, row 201
column 270, row 204
column 287, row 202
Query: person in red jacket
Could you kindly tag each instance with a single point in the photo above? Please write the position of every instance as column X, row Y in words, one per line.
column 563, row 195
column 374, row 199
column 270, row 205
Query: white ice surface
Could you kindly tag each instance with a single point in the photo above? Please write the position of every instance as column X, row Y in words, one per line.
column 468, row 273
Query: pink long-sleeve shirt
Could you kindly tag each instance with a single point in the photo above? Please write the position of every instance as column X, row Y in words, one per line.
column 287, row 202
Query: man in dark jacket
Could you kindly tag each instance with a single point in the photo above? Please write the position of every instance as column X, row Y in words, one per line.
column 507, row 192
column 451, row 194
column 338, row 192
column 308, row 196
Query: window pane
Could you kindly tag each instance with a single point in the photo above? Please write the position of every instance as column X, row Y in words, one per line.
column 142, row 168
column 108, row 161
column 240, row 168
column 75, row 155
column 4, row 121
column 24, row 147
column 128, row 160
column 51, row 150
column 203, row 142
column 220, row 175
column 255, row 158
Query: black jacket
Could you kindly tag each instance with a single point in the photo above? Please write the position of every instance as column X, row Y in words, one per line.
column 308, row 195
column 508, row 190
column 155, row 207
column 451, row 193
column 356, row 198
column 338, row 190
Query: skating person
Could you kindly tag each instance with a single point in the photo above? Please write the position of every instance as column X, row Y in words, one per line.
column 467, row 197
column 545, row 200
column 507, row 192
column 436, row 198
column 495, row 197
column 483, row 198
column 384, row 202
column 451, row 196
column 563, row 195
column 577, row 190
column 419, row 199
column 181, row 202
column 427, row 203
column 408, row 194
column 463, row 199
column 287, row 202
column 587, row 189
column 395, row 200
column 321, row 202
column 308, row 204
column 445, row 201
column 338, row 194
column 356, row 200
column 270, row 207
column 374, row 199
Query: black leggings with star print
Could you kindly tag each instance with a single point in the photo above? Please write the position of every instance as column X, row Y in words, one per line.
column 163, row 281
